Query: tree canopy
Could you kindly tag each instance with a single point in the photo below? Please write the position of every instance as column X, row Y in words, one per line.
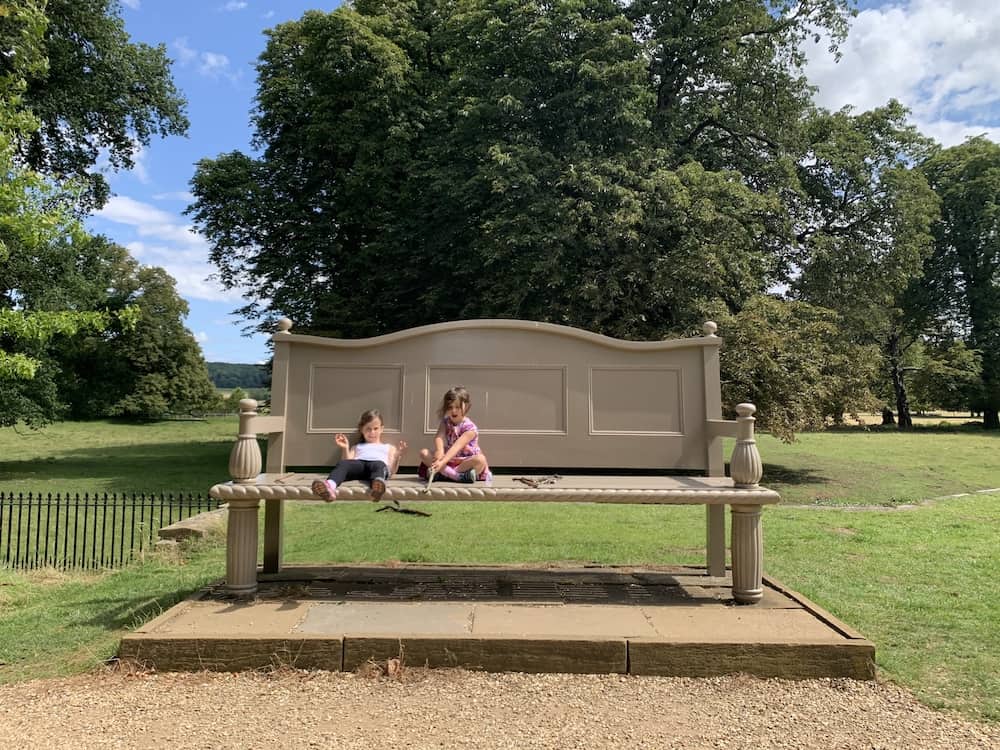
column 539, row 160
column 631, row 168
column 966, row 260
column 99, row 93
column 35, row 216
column 144, row 370
column 70, row 84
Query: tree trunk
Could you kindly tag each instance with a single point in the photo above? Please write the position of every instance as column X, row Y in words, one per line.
column 991, row 419
column 887, row 416
column 904, row 420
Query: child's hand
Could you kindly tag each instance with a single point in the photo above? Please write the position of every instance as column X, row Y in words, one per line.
column 341, row 440
column 401, row 446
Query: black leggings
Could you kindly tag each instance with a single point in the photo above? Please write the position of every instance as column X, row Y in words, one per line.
column 354, row 468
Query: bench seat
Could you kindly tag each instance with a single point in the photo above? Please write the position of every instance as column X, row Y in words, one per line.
column 632, row 489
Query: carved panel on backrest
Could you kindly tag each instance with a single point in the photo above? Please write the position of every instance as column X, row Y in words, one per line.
column 339, row 394
column 507, row 398
column 636, row 401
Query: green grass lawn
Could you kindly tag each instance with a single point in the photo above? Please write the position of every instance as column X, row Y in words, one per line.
column 106, row 456
column 879, row 467
column 923, row 583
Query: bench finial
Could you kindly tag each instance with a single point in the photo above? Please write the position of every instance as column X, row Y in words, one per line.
column 709, row 327
column 283, row 325
column 745, row 466
column 245, row 460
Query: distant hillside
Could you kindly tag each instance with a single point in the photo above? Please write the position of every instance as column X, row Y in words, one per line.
column 229, row 375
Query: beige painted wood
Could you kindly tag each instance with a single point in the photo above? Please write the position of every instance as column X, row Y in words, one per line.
column 241, row 545
column 544, row 397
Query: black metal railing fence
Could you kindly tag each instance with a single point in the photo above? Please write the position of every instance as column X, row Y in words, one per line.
column 88, row 531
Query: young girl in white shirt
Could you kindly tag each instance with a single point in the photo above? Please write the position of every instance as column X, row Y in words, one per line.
column 370, row 459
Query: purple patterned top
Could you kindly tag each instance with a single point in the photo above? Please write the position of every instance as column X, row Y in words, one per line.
column 453, row 432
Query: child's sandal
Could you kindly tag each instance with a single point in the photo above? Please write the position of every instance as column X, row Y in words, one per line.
column 378, row 489
column 320, row 490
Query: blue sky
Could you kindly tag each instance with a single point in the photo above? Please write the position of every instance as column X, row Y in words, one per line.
column 938, row 57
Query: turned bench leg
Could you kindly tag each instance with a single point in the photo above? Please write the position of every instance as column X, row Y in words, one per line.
column 748, row 554
column 241, row 547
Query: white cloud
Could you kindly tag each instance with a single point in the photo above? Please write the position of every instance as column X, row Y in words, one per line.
column 178, row 195
column 937, row 57
column 133, row 4
column 209, row 64
column 234, row 5
column 189, row 268
column 185, row 55
column 164, row 240
column 201, row 337
column 123, row 210
column 213, row 64
column 269, row 14
column 139, row 168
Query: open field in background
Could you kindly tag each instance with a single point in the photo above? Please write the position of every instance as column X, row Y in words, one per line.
column 108, row 456
column 950, row 418
column 923, row 583
column 879, row 467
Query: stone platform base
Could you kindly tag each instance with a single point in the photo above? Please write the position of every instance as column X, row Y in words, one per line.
column 646, row 621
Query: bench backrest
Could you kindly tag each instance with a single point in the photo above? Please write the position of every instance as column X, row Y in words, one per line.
column 543, row 395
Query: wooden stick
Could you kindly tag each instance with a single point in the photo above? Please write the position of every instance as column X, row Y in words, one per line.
column 430, row 478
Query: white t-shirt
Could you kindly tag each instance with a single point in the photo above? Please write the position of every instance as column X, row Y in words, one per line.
column 372, row 452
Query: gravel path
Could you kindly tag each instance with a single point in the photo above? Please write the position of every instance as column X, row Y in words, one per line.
column 456, row 709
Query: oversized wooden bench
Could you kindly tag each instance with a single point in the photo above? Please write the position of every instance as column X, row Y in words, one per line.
column 619, row 421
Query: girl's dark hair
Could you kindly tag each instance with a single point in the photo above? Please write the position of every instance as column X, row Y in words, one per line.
column 365, row 418
column 457, row 394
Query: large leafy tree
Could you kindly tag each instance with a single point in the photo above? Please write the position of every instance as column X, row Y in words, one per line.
column 863, row 219
column 166, row 372
column 966, row 259
column 618, row 166
column 99, row 92
column 144, row 370
column 793, row 360
column 59, row 287
column 35, row 218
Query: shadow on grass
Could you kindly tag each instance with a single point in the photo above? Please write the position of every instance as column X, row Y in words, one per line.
column 148, row 467
column 776, row 473
column 128, row 612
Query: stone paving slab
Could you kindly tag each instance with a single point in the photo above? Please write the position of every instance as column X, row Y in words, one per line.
column 562, row 620
column 378, row 618
column 197, row 617
column 740, row 625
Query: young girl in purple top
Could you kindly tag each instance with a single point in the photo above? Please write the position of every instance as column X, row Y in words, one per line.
column 369, row 459
column 456, row 455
